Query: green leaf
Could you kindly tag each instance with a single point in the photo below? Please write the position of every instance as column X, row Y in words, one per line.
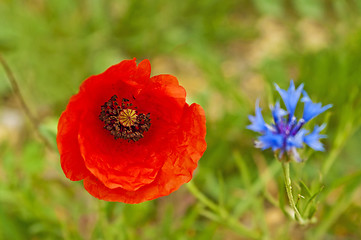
column 305, row 189
column 310, row 207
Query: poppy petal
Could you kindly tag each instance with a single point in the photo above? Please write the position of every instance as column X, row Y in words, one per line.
column 163, row 97
column 177, row 170
column 119, row 163
column 71, row 160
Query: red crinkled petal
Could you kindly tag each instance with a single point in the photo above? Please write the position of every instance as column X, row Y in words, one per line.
column 110, row 81
column 163, row 97
column 177, row 169
column 126, row 72
column 71, row 160
column 129, row 165
column 193, row 132
column 118, row 163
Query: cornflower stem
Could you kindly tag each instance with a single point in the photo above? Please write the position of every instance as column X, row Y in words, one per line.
column 288, row 185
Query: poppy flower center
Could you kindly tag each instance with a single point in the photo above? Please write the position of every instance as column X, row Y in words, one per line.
column 127, row 117
column 123, row 121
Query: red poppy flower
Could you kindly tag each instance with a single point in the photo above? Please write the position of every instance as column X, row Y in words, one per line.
column 129, row 136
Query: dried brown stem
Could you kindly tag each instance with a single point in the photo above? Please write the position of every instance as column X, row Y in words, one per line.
column 34, row 122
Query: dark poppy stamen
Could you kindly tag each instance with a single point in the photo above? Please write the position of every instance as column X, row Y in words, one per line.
column 123, row 121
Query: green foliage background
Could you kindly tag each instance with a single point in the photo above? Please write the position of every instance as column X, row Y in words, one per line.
column 226, row 54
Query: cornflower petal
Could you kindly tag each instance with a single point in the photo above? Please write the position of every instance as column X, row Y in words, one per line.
column 313, row 139
column 295, row 155
column 257, row 122
column 297, row 140
column 277, row 112
column 286, row 134
column 290, row 97
column 270, row 140
column 311, row 109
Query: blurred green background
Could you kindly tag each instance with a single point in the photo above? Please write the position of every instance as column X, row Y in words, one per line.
column 226, row 54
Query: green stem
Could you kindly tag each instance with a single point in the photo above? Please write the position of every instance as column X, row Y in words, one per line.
column 33, row 120
column 288, row 185
column 222, row 214
column 201, row 197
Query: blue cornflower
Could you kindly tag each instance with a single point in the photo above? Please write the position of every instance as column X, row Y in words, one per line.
column 286, row 133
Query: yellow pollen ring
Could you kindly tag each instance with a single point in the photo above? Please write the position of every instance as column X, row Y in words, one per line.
column 127, row 117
